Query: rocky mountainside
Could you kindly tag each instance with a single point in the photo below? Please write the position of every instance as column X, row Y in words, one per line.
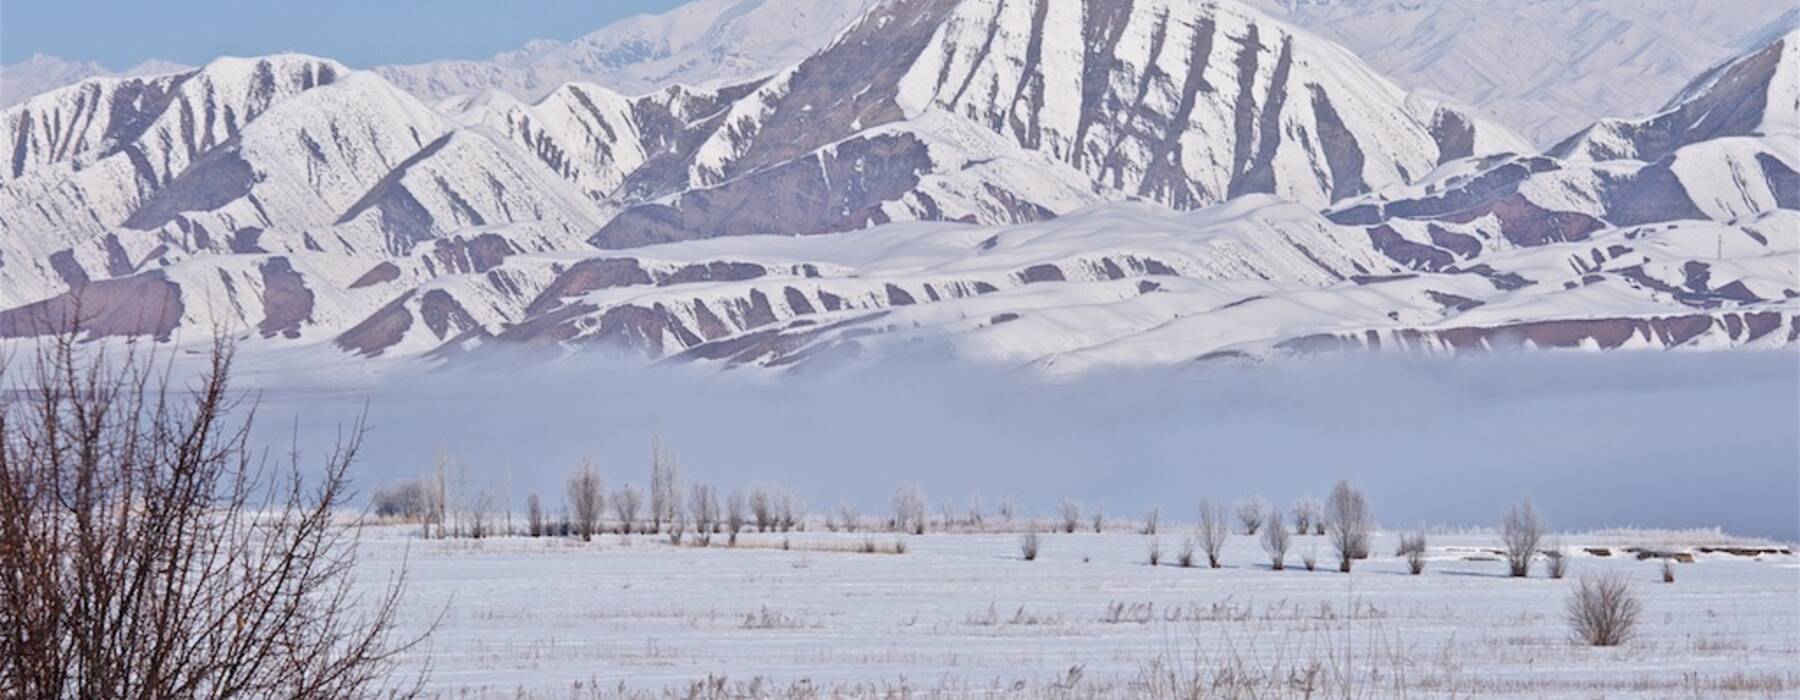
column 1545, row 68
column 1061, row 185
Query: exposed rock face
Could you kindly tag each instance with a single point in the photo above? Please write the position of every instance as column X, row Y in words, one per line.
column 287, row 302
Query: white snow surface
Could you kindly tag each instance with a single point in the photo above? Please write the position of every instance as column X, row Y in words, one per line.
column 962, row 614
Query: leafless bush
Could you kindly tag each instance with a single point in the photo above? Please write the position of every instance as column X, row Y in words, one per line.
column 1007, row 509
column 787, row 509
column 848, row 518
column 1308, row 514
column 1521, row 531
column 1603, row 610
column 1099, row 520
column 1250, row 514
column 1310, row 560
column 586, row 499
column 1213, row 529
column 762, row 508
column 677, row 523
column 1029, row 544
column 147, row 550
column 1349, row 522
column 734, row 516
column 1275, row 539
column 1412, row 549
column 665, row 485
column 478, row 509
column 975, row 515
column 404, row 501
column 703, row 505
column 1152, row 520
column 1185, row 555
column 1556, row 561
column 1070, row 514
column 909, row 510
column 626, row 503
column 1668, row 570
column 534, row 515
column 1153, row 548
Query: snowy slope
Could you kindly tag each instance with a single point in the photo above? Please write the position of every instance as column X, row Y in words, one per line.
column 702, row 43
column 1545, row 68
column 41, row 73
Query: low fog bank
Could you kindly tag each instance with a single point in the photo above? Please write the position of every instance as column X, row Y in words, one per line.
column 1624, row 439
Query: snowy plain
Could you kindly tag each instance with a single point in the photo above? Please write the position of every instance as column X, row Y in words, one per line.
column 962, row 615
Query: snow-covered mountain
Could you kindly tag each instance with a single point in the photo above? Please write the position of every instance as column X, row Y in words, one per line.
column 1064, row 186
column 704, row 43
column 41, row 73
column 1545, row 68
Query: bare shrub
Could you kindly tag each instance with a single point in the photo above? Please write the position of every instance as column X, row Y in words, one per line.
column 1310, row 560
column 1556, row 561
column 677, row 522
column 1348, row 521
column 1213, row 529
column 734, row 516
column 1029, row 544
column 665, row 485
column 405, row 501
column 1521, row 531
column 703, row 505
column 1099, row 520
column 1412, row 549
column 1069, row 512
column 1603, row 610
column 1007, row 509
column 148, row 550
column 585, row 499
column 1308, row 513
column 848, row 518
column 1152, row 520
column 909, row 510
column 787, row 509
column 534, row 515
column 1250, row 513
column 626, row 504
column 1185, row 555
column 762, row 508
column 1153, row 547
column 1275, row 539
column 1668, row 570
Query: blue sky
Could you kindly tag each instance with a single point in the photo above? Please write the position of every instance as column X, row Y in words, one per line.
column 122, row 33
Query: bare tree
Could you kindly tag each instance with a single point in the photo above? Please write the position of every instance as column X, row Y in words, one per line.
column 405, row 501
column 1275, row 539
column 847, row 516
column 585, row 489
column 909, row 510
column 1029, row 544
column 734, row 516
column 148, row 550
column 437, row 499
column 1412, row 549
column 1521, row 531
column 1308, row 513
column 1185, row 556
column 975, row 514
column 1603, row 610
column 626, row 503
column 1007, row 509
column 534, row 515
column 665, row 484
column 1153, row 549
column 1070, row 513
column 1556, row 561
column 1213, row 529
column 762, row 508
column 1349, row 522
column 1099, row 520
column 1250, row 514
column 703, row 505
column 787, row 509
column 1152, row 520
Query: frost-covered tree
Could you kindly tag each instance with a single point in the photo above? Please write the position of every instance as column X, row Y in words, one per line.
column 909, row 509
column 703, row 505
column 1251, row 513
column 586, row 499
column 1308, row 515
column 1070, row 513
column 734, row 516
column 1521, row 531
column 1349, row 522
column 1275, row 539
column 1213, row 529
column 534, row 515
column 627, row 502
column 665, row 484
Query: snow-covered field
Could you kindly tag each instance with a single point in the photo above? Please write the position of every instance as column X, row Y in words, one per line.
column 960, row 615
